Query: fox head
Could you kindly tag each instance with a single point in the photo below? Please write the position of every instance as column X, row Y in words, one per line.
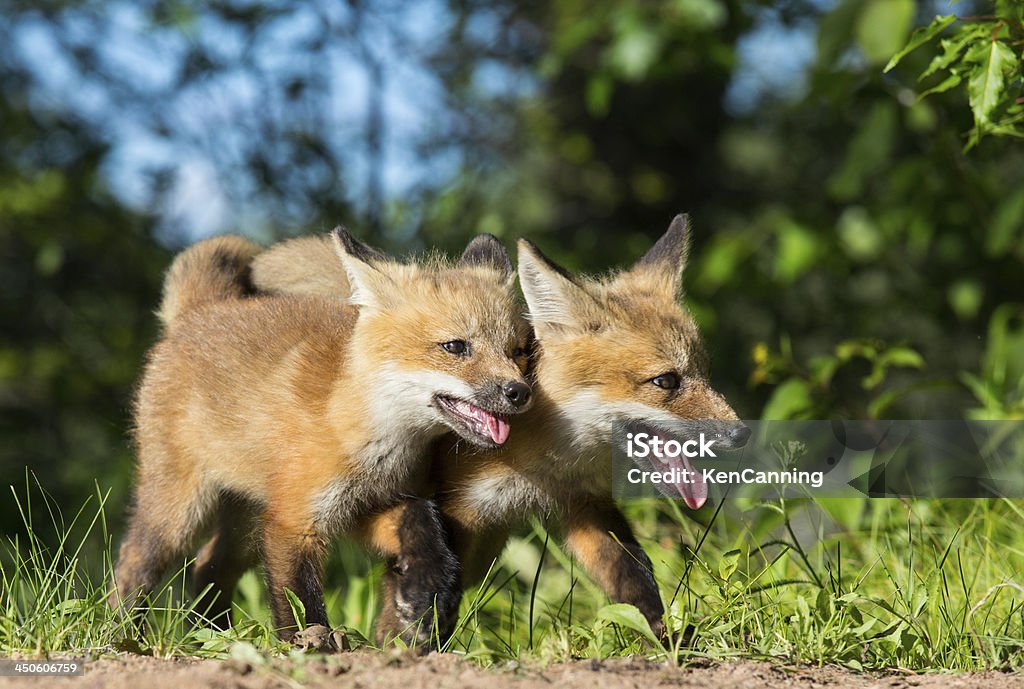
column 440, row 345
column 624, row 349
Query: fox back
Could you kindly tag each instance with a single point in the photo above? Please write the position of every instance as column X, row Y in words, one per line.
column 238, row 383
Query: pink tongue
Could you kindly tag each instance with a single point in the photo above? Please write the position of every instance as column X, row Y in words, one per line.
column 694, row 492
column 498, row 428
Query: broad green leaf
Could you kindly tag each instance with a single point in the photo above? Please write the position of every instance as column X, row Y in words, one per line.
column 73, row 606
column 902, row 356
column 988, row 78
column 882, row 27
column 824, row 604
column 728, row 563
column 791, row 399
column 920, row 37
column 629, row 617
column 863, row 629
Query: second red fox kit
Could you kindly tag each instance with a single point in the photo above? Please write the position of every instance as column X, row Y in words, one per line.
column 304, row 415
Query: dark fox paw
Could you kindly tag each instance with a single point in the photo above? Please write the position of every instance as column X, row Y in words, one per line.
column 423, row 587
column 426, row 601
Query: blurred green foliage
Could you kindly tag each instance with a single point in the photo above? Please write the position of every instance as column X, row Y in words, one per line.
column 850, row 257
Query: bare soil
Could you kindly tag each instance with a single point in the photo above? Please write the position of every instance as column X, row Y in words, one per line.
column 382, row 670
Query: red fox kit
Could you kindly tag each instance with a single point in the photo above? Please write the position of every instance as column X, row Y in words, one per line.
column 617, row 349
column 611, row 350
column 305, row 415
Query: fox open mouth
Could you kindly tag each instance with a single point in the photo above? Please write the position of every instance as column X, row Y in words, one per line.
column 693, row 491
column 477, row 425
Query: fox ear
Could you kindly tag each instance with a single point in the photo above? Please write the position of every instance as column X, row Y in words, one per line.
column 555, row 301
column 371, row 287
column 486, row 251
column 669, row 253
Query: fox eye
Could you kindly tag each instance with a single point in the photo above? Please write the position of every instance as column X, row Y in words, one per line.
column 518, row 352
column 667, row 381
column 456, row 347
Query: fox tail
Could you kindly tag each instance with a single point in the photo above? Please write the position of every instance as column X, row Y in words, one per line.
column 212, row 270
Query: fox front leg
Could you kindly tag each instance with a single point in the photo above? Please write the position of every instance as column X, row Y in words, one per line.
column 422, row 586
column 293, row 558
column 600, row 538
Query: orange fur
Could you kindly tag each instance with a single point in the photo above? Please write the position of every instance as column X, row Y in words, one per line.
column 315, row 412
column 600, row 344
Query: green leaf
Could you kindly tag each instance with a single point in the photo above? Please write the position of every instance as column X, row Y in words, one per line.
column 882, row 27
column 728, row 563
column 803, row 610
column 824, row 604
column 918, row 600
column 946, row 84
column 298, row 609
column 951, row 50
column 902, row 356
column 920, row 37
column 988, row 78
column 791, row 399
column 626, row 615
column 897, row 356
column 822, row 369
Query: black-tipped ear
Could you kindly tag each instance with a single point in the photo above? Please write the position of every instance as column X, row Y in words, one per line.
column 370, row 287
column 485, row 250
column 357, row 249
column 556, row 301
column 673, row 246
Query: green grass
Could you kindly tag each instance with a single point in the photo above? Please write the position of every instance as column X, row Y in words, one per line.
column 866, row 584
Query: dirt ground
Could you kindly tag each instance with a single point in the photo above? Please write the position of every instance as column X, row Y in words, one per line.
column 376, row 670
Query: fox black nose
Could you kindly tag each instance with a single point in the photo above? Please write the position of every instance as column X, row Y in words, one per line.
column 739, row 435
column 517, row 393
